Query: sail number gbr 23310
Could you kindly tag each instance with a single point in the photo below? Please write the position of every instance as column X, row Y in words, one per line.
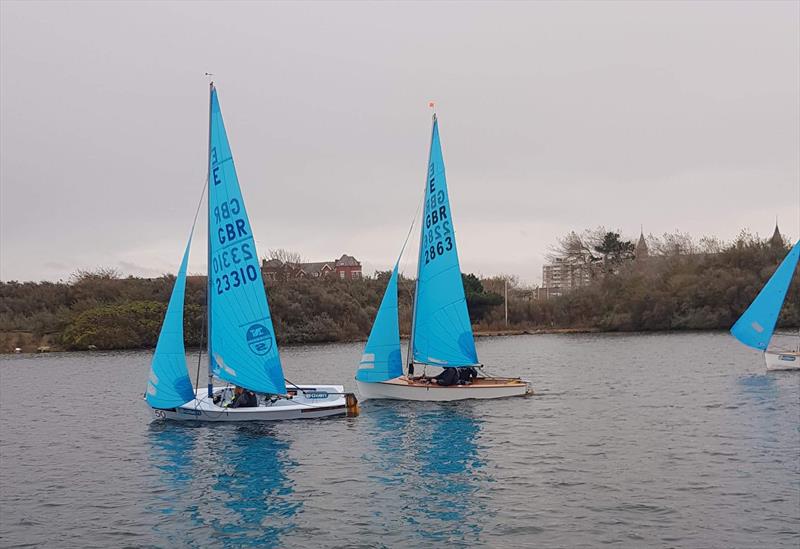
column 232, row 260
column 233, row 256
column 437, row 234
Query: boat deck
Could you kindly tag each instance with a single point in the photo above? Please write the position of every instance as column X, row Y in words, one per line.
column 481, row 382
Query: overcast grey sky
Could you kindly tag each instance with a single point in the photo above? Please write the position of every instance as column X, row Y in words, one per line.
column 553, row 117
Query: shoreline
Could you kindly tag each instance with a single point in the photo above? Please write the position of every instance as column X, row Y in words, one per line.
column 45, row 344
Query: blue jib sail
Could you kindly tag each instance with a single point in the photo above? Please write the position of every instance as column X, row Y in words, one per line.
column 381, row 360
column 442, row 330
column 242, row 346
column 754, row 328
column 168, row 385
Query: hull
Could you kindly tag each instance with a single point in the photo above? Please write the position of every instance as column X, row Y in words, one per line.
column 789, row 360
column 316, row 402
column 401, row 388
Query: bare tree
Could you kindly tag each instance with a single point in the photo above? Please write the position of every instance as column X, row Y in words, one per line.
column 711, row 245
column 285, row 256
column 674, row 244
column 101, row 273
column 497, row 283
column 573, row 248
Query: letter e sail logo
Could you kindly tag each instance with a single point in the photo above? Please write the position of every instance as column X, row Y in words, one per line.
column 259, row 339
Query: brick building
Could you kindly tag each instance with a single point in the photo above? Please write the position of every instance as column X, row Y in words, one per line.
column 346, row 267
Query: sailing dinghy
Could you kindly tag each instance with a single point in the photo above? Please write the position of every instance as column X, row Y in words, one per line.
column 241, row 340
column 757, row 324
column 441, row 332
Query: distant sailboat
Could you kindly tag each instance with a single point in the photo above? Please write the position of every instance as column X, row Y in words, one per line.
column 757, row 324
column 441, row 333
column 241, row 340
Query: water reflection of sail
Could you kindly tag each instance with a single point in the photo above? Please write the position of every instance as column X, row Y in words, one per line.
column 251, row 501
column 171, row 453
column 253, row 485
column 432, row 460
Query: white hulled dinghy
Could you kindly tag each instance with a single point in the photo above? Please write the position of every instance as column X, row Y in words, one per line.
column 241, row 343
column 756, row 326
column 441, row 332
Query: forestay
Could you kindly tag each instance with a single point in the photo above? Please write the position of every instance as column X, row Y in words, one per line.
column 168, row 385
column 242, row 346
column 755, row 327
column 381, row 360
column 442, row 333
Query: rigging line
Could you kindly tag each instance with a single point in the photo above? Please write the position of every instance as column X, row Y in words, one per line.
column 411, row 228
column 205, row 316
column 304, row 392
column 200, row 356
column 294, row 385
column 199, row 204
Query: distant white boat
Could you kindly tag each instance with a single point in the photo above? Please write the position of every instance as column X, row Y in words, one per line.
column 756, row 326
column 441, row 332
column 241, row 340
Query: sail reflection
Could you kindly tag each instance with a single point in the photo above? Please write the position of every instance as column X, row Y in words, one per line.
column 760, row 388
column 229, row 484
column 428, row 462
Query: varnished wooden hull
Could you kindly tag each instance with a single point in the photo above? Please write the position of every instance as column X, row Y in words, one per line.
column 401, row 388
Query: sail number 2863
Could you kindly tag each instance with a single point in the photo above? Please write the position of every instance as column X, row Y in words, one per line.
column 437, row 234
column 432, row 252
column 437, row 240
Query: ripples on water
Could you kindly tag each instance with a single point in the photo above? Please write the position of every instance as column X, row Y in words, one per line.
column 639, row 440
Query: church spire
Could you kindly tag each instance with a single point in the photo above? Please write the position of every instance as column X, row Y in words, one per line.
column 777, row 239
column 641, row 251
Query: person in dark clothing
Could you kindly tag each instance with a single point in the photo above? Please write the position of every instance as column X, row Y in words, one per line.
column 466, row 375
column 449, row 376
column 242, row 398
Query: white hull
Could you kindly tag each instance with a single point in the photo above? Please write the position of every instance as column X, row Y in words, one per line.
column 486, row 388
column 782, row 361
column 319, row 401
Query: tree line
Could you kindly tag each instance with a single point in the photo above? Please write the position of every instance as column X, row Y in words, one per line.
column 680, row 285
column 102, row 310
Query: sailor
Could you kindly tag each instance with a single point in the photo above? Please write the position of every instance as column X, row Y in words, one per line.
column 243, row 398
column 466, row 375
column 449, row 376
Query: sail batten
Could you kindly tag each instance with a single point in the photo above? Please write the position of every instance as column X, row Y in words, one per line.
column 168, row 384
column 757, row 324
column 242, row 338
column 441, row 332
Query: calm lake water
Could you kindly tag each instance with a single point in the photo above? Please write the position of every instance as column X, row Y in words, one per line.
column 638, row 440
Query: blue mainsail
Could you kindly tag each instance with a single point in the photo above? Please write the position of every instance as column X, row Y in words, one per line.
column 755, row 327
column 168, row 385
column 442, row 333
column 242, row 342
column 381, row 360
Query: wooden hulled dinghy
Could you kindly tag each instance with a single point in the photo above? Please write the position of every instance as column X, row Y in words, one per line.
column 403, row 388
column 441, row 332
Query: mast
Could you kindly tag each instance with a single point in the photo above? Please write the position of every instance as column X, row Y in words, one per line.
column 208, row 234
column 410, row 357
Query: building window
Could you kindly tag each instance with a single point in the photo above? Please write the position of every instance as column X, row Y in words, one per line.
column 341, row 274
